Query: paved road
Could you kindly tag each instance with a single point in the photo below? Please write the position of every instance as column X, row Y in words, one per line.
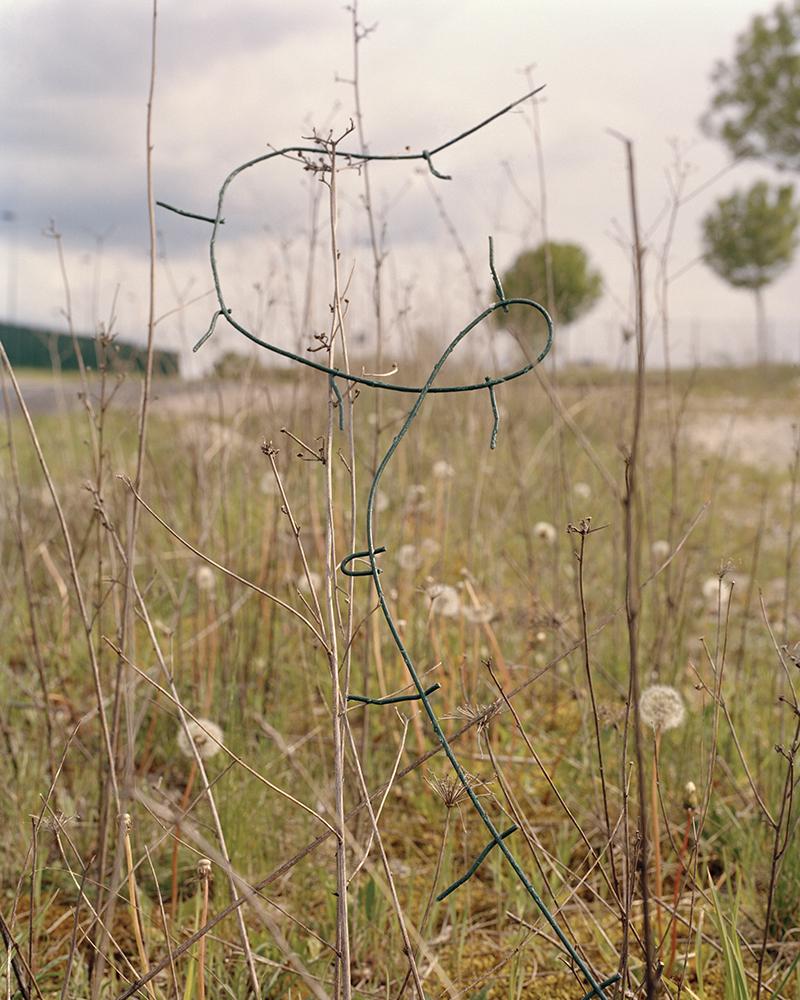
column 47, row 395
column 44, row 395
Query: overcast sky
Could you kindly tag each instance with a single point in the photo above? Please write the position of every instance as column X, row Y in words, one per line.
column 234, row 78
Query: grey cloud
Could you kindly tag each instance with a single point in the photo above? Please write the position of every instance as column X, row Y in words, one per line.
column 73, row 82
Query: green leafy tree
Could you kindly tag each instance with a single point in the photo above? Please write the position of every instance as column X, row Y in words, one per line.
column 756, row 105
column 749, row 239
column 555, row 274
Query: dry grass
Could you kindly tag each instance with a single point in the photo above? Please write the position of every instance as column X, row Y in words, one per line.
column 240, row 660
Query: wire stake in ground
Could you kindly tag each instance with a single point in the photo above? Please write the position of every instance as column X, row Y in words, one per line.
column 476, row 863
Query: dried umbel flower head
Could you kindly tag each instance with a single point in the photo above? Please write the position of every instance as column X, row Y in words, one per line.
column 450, row 789
column 205, row 579
column 661, row 707
column 545, row 531
column 443, row 600
column 207, row 737
column 690, row 800
column 478, row 713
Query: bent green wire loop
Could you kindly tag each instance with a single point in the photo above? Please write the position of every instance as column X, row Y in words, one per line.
column 209, row 331
column 189, row 215
column 359, row 555
column 495, row 415
column 476, row 863
column 596, row 988
column 391, row 699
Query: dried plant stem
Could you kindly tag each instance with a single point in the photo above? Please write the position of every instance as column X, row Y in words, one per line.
column 386, row 867
column 431, row 896
column 164, row 924
column 584, row 530
column 676, row 892
column 343, row 987
column 173, row 902
column 632, row 562
column 133, row 905
column 33, row 899
column 204, row 876
column 654, row 789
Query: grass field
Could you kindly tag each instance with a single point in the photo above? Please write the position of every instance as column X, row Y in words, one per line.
column 528, row 642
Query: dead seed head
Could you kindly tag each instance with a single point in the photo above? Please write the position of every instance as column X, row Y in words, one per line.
column 443, row 600
column 690, row 800
column 450, row 789
column 206, row 735
column 545, row 531
column 203, row 869
column 661, row 707
column 205, row 579
column 443, row 470
column 660, row 549
column 481, row 714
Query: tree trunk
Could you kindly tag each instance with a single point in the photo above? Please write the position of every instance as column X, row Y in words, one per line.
column 762, row 334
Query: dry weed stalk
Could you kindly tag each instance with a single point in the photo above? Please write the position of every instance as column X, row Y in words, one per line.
column 133, row 903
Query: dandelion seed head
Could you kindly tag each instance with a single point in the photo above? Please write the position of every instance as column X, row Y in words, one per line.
column 478, row 616
column 660, row 549
column 716, row 589
column 430, row 548
column 545, row 531
column 408, row 557
column 205, row 579
column 207, row 737
column 415, row 497
column 443, row 600
column 443, row 470
column 661, row 707
column 582, row 490
column 690, row 800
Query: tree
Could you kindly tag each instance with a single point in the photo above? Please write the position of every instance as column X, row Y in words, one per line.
column 575, row 288
column 756, row 107
column 749, row 239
